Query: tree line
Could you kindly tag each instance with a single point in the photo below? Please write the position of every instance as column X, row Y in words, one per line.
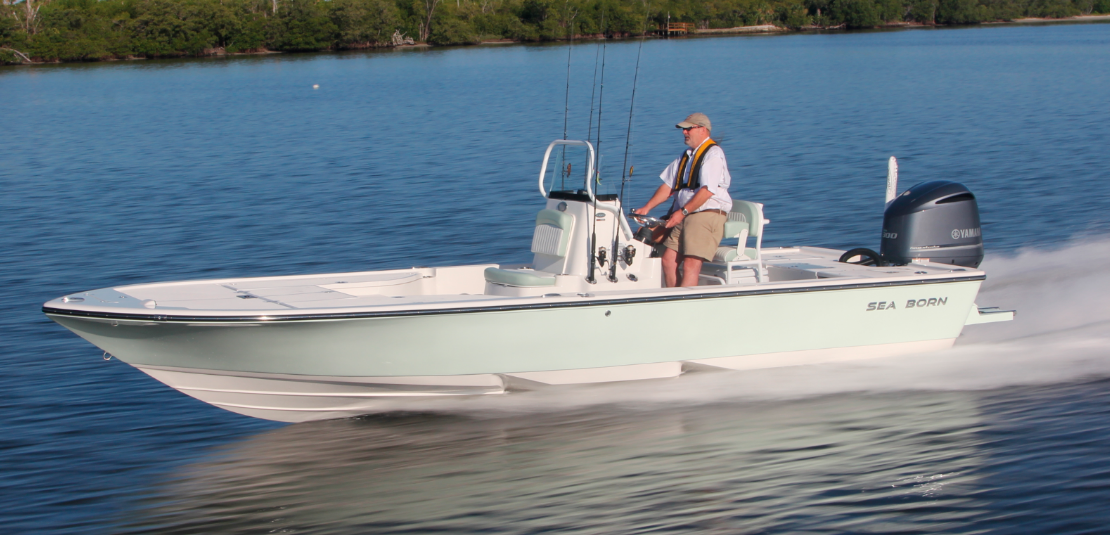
column 90, row 30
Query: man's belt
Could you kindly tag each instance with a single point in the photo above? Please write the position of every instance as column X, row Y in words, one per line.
column 714, row 210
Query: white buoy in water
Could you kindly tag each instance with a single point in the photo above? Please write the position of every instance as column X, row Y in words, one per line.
column 316, row 86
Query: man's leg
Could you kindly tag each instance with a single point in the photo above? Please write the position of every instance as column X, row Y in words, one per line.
column 691, row 268
column 670, row 267
column 701, row 235
column 671, row 258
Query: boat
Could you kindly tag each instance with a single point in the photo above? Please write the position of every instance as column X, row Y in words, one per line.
column 590, row 308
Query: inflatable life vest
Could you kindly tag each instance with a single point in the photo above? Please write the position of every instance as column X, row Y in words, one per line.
column 694, row 181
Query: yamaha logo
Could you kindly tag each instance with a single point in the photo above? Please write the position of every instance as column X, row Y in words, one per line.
column 959, row 233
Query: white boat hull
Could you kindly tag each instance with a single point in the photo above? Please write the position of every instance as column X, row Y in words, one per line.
column 317, row 366
column 545, row 336
column 301, row 398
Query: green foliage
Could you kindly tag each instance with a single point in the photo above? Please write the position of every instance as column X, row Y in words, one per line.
column 1054, row 8
column 448, row 30
column 855, row 13
column 889, row 10
column 172, row 28
column 8, row 26
column 500, row 25
column 364, row 22
column 8, row 57
column 1006, row 9
column 254, row 34
column 958, row 12
column 305, row 27
column 87, row 30
column 923, row 11
column 792, row 15
column 73, row 31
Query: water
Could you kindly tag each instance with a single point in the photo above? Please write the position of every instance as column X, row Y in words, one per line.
column 127, row 172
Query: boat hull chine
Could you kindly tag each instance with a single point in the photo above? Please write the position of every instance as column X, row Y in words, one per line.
column 287, row 398
column 834, row 354
column 293, row 399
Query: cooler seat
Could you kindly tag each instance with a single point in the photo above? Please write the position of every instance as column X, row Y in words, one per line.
column 734, row 264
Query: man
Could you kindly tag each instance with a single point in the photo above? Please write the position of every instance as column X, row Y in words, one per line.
column 699, row 181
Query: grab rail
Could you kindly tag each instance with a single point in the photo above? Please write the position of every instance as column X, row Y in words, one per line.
column 622, row 221
column 589, row 166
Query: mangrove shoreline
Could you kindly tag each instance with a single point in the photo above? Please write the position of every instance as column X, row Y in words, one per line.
column 60, row 31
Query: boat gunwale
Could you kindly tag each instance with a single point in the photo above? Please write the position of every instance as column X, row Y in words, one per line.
column 582, row 302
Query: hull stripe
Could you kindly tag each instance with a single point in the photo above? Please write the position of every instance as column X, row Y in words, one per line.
column 318, row 316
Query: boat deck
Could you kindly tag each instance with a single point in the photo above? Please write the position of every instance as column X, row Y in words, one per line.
column 445, row 287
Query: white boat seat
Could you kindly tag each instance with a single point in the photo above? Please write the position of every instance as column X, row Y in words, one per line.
column 730, row 254
column 552, row 233
column 731, row 264
column 550, row 242
column 526, row 278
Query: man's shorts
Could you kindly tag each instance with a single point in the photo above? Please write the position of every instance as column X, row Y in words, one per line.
column 699, row 234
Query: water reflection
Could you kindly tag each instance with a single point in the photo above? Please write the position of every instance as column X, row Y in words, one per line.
column 819, row 464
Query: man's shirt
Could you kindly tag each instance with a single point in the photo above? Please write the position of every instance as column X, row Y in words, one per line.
column 714, row 177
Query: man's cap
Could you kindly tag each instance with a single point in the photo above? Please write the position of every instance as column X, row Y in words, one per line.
column 695, row 119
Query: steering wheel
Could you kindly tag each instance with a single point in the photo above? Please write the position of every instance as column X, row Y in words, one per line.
column 646, row 220
column 862, row 256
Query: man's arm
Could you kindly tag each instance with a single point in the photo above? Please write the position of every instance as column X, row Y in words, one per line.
column 660, row 195
column 699, row 199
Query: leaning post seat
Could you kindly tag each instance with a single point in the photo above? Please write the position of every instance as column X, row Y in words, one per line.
column 552, row 234
column 731, row 264
column 550, row 242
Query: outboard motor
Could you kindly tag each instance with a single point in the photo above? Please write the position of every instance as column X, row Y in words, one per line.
column 937, row 221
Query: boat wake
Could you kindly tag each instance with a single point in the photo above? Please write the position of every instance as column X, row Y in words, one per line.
column 1060, row 335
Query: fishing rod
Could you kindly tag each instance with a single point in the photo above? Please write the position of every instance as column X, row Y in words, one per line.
column 590, row 278
column 566, row 102
column 599, row 257
column 601, row 94
column 593, row 93
column 627, row 146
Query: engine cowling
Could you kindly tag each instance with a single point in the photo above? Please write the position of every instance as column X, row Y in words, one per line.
column 937, row 221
